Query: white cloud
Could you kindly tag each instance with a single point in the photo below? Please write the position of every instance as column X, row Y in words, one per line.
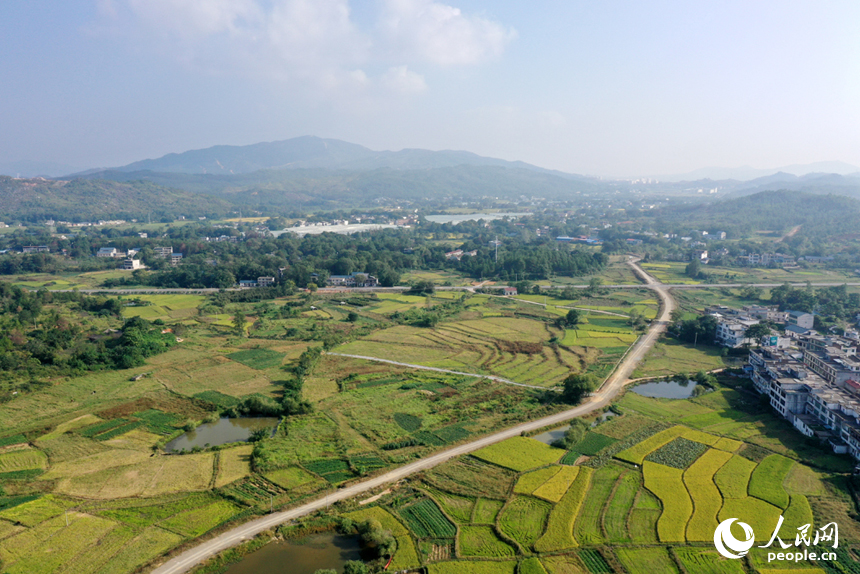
column 314, row 45
column 196, row 18
column 403, row 80
column 442, row 34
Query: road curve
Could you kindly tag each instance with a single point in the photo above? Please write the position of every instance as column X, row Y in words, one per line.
column 599, row 399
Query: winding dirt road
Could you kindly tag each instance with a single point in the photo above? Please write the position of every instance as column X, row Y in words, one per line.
column 599, row 399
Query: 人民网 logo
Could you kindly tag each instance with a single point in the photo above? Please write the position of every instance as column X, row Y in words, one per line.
column 730, row 547
column 726, row 543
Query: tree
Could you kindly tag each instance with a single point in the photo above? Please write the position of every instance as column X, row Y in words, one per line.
column 355, row 567
column 572, row 318
column 758, row 331
column 574, row 434
column 239, row 323
column 312, row 287
column 694, row 268
column 352, row 317
column 576, row 387
column 326, row 571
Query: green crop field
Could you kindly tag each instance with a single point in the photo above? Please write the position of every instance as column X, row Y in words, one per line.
column 703, row 561
column 559, row 533
column 459, row 508
column 593, row 443
column 646, row 560
column 257, row 358
column 426, row 520
column 767, row 478
column 519, row 453
column 473, row 567
column 524, row 518
column 589, row 526
column 481, row 541
column 707, row 500
column 555, row 488
column 486, row 511
column 666, row 483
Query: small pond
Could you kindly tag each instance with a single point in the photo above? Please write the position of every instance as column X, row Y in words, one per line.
column 666, row 389
column 550, row 437
column 300, row 557
column 222, row 431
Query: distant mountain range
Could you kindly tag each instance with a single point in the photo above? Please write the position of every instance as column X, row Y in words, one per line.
column 310, row 152
column 747, row 173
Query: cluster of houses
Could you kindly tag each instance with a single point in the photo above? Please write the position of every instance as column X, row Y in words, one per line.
column 815, row 385
column 458, row 254
column 129, row 263
column 766, row 260
column 354, row 279
column 732, row 324
column 259, row 282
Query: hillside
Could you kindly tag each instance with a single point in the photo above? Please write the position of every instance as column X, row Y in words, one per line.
column 310, row 152
column 82, row 199
column 334, row 188
column 822, row 215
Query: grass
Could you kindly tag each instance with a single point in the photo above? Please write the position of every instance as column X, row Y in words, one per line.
column 559, row 532
column 193, row 523
column 666, row 483
column 233, row 464
column 669, row 357
column 646, row 560
column 482, row 542
column 22, row 460
column 36, row 511
column 767, row 478
column 523, row 519
column 472, row 477
column 385, row 518
column 519, row 453
column 45, row 549
column 146, row 546
column 257, row 358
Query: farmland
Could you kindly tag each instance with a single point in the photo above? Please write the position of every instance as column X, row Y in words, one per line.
column 659, row 516
column 90, row 442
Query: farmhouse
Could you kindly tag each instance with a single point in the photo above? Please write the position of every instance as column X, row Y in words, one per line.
column 354, row 279
column 35, row 249
column 130, row 264
column 509, row 291
column 108, row 252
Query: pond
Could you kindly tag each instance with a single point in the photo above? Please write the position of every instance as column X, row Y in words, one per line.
column 666, row 389
column 455, row 219
column 550, row 437
column 300, row 557
column 222, row 431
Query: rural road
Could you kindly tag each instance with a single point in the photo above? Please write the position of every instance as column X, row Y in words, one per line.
column 599, row 399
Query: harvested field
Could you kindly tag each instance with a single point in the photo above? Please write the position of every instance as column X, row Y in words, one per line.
column 233, row 464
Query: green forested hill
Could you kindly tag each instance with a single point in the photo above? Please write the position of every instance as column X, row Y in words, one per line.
column 819, row 215
column 334, row 188
column 87, row 199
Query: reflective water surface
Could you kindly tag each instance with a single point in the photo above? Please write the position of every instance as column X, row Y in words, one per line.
column 222, row 431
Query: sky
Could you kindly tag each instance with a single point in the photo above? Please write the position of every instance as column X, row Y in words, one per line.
column 610, row 88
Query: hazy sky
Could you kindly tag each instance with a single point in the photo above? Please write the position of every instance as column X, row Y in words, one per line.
column 601, row 88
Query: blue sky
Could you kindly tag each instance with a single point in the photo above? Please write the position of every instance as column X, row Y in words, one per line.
column 602, row 88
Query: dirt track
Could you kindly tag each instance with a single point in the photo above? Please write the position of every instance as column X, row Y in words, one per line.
column 599, row 399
